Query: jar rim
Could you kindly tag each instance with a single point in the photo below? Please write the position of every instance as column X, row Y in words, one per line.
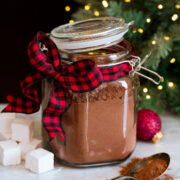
column 90, row 34
column 118, row 53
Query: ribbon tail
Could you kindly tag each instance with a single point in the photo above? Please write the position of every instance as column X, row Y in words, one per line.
column 29, row 101
column 52, row 115
column 53, row 126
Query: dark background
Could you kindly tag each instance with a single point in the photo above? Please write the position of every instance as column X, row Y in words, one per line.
column 20, row 20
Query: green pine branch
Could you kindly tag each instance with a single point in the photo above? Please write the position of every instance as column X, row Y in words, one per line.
column 163, row 50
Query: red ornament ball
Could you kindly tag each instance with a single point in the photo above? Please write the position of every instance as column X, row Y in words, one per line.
column 148, row 124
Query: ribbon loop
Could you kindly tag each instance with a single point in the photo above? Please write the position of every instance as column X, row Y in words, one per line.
column 47, row 62
column 81, row 76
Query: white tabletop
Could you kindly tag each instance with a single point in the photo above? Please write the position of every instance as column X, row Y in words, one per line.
column 170, row 144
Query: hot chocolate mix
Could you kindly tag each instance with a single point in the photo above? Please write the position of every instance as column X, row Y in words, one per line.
column 99, row 125
column 150, row 170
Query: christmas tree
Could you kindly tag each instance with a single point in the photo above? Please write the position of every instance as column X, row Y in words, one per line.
column 156, row 28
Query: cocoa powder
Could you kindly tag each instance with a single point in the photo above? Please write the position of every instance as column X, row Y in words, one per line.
column 99, row 125
column 127, row 168
column 168, row 177
column 102, row 93
column 151, row 170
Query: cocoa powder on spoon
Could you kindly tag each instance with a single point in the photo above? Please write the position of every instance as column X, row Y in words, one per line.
column 151, row 170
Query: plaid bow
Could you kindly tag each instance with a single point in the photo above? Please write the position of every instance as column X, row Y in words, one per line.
column 81, row 76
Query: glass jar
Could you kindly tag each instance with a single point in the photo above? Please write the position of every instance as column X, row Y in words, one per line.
column 99, row 125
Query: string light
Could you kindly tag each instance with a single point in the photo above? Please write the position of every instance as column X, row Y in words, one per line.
column 87, row 7
column 160, row 6
column 140, row 30
column 153, row 42
column 105, row 3
column 145, row 90
column 71, row 21
column 91, row 53
column 134, row 31
column 174, row 17
column 148, row 96
column 148, row 20
column 172, row 60
column 160, row 87
column 96, row 13
column 177, row 6
column 162, row 79
column 127, row 1
column 167, row 38
column 67, row 8
column 170, row 84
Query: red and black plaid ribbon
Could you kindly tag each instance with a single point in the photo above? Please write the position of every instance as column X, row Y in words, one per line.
column 81, row 76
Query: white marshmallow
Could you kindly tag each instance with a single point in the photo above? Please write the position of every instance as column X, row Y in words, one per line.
column 5, row 121
column 5, row 136
column 22, row 130
column 27, row 147
column 10, row 153
column 39, row 160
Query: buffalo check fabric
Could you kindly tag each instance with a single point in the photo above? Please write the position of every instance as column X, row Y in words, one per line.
column 80, row 76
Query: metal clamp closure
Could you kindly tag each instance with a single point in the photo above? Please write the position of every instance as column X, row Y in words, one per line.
column 136, row 64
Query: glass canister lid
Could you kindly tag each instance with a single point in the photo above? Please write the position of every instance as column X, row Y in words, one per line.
column 91, row 34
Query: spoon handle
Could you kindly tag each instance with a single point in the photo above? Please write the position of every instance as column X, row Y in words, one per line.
column 123, row 177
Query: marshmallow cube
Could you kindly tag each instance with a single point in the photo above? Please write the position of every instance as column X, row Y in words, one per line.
column 5, row 121
column 10, row 153
column 39, row 160
column 22, row 130
column 27, row 147
column 5, row 136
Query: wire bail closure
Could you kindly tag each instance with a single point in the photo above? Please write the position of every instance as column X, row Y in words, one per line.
column 136, row 64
